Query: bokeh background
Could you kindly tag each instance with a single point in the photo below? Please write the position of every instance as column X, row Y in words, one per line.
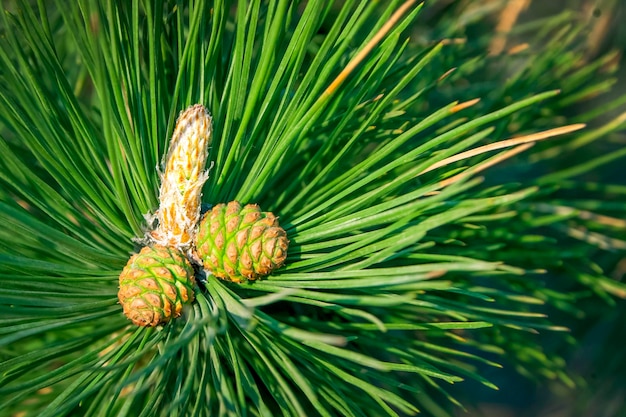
column 594, row 351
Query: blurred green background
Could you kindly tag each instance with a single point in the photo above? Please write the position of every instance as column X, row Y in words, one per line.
column 597, row 359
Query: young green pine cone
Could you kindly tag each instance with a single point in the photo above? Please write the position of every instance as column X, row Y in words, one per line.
column 238, row 243
column 154, row 285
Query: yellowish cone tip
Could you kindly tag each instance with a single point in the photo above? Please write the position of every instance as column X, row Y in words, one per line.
column 154, row 285
column 182, row 180
column 238, row 243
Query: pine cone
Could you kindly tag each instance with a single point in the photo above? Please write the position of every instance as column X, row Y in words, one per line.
column 154, row 285
column 238, row 243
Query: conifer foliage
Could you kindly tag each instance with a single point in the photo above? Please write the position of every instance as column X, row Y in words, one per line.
column 401, row 263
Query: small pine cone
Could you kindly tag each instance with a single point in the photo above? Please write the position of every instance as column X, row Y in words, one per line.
column 238, row 243
column 154, row 285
